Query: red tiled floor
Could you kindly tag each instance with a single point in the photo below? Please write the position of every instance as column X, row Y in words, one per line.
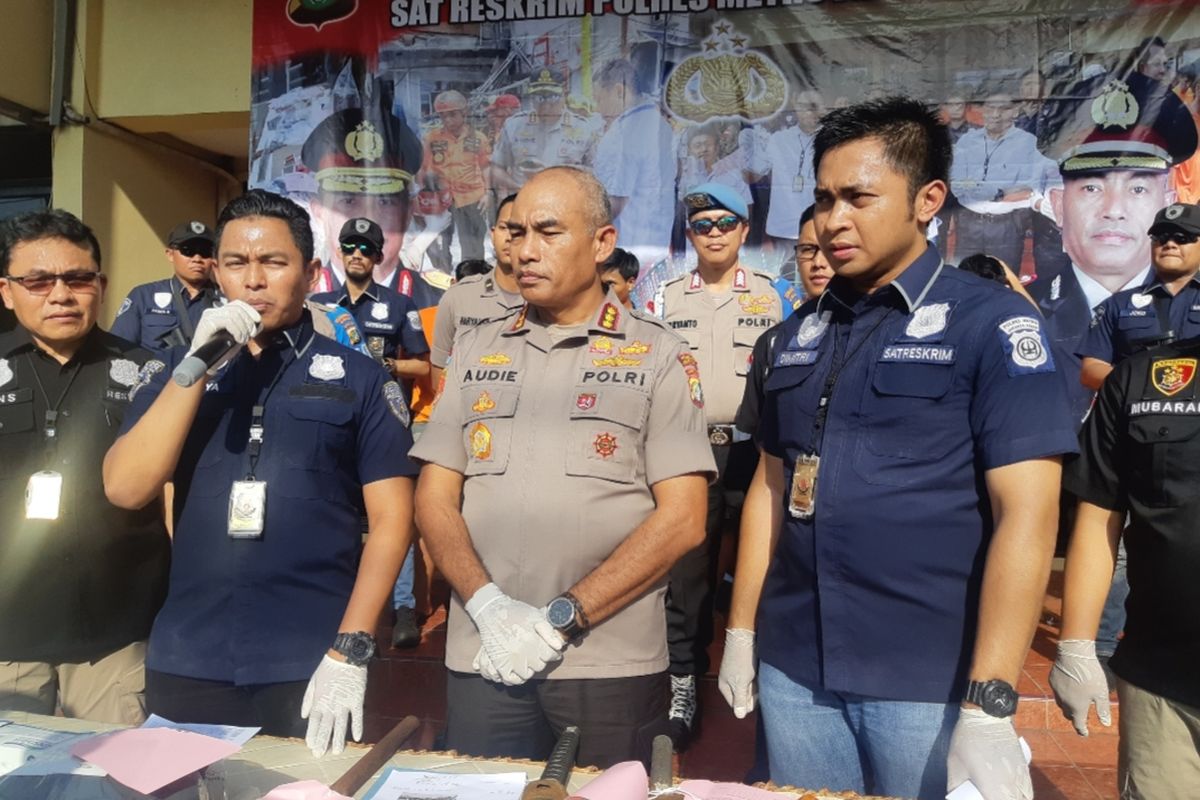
column 1061, row 783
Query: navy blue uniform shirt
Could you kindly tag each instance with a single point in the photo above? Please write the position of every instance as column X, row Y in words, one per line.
column 148, row 315
column 944, row 376
column 1136, row 319
column 252, row 611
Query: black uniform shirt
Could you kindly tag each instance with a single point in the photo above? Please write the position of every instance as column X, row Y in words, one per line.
column 1140, row 453
column 91, row 581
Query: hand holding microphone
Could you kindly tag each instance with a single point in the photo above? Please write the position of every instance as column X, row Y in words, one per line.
column 220, row 334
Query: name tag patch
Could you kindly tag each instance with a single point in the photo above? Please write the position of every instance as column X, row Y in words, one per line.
column 796, row 358
column 918, row 354
column 1186, row 407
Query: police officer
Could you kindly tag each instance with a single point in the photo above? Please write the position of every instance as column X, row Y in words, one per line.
column 389, row 321
column 911, row 433
column 1139, row 462
column 548, row 135
column 1114, row 151
column 477, row 299
column 272, row 595
column 364, row 165
column 1166, row 309
column 721, row 308
column 80, row 579
column 564, row 471
column 460, row 156
column 163, row 314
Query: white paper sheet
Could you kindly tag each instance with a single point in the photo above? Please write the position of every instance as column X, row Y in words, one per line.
column 226, row 733
column 399, row 784
column 27, row 750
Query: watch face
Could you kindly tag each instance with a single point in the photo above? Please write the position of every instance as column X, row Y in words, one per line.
column 998, row 699
column 560, row 612
column 361, row 649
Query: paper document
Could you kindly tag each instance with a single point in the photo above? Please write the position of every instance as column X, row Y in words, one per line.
column 226, row 733
column 37, row 751
column 400, row 784
column 147, row 759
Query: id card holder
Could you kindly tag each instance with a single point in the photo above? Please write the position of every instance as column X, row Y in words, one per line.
column 43, row 495
column 802, row 499
column 247, row 509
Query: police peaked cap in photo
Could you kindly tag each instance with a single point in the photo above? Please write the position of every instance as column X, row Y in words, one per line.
column 1132, row 123
column 551, row 79
column 712, row 195
column 353, row 153
column 190, row 231
column 361, row 229
column 1177, row 217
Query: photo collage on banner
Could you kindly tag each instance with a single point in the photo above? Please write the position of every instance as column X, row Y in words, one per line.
column 1073, row 122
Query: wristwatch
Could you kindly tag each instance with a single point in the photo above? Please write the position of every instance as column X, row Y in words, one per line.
column 996, row 697
column 358, row 647
column 565, row 615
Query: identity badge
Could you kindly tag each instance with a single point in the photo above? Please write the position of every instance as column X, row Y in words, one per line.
column 803, row 498
column 247, row 509
column 43, row 495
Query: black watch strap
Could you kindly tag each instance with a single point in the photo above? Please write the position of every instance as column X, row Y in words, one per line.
column 997, row 698
column 358, row 647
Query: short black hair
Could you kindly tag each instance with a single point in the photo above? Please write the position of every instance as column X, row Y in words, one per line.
column 624, row 262
column 915, row 142
column 261, row 203
column 985, row 266
column 52, row 223
column 472, row 266
column 500, row 207
column 806, row 215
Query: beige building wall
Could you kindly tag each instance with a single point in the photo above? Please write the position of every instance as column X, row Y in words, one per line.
column 25, row 41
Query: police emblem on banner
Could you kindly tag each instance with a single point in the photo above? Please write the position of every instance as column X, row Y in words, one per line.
column 394, row 396
column 6, row 373
column 1172, row 375
column 123, row 371
column 379, row 311
column 162, row 299
column 327, row 368
column 1026, row 346
column 928, row 320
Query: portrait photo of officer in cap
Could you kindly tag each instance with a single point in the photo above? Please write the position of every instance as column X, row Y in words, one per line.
column 364, row 164
column 1114, row 150
column 460, row 157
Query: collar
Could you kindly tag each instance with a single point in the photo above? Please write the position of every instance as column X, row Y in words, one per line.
column 298, row 337
column 741, row 280
column 180, row 288
column 1154, row 283
column 372, row 291
column 609, row 319
column 629, row 112
column 19, row 340
column 1094, row 291
column 910, row 286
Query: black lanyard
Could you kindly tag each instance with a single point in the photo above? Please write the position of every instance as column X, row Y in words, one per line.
column 257, row 412
column 50, row 424
column 181, row 310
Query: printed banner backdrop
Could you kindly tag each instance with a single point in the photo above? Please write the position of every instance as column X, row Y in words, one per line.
column 421, row 114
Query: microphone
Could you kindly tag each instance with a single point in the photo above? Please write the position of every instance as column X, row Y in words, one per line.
column 206, row 356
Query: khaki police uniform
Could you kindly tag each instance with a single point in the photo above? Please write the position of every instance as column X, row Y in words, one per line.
column 527, row 146
column 561, row 433
column 471, row 302
column 721, row 330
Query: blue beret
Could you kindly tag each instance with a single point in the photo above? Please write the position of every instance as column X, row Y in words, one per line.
column 708, row 196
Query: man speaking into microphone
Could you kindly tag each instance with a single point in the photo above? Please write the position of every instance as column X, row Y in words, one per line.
column 273, row 454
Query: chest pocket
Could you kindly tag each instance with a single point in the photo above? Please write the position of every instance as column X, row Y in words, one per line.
column 488, row 411
column 743, row 346
column 1139, row 326
column 906, row 420
column 791, row 396
column 315, row 432
column 1163, row 464
column 16, row 417
column 604, row 436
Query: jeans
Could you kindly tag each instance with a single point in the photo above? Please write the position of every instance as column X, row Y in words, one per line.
column 1112, row 620
column 847, row 742
column 402, row 592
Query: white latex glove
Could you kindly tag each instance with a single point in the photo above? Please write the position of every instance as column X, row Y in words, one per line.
column 518, row 640
column 335, row 692
column 238, row 318
column 484, row 666
column 986, row 751
column 1078, row 681
column 736, row 678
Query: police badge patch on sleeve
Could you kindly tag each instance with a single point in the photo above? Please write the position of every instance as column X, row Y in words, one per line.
column 414, row 319
column 1025, row 346
column 394, row 396
column 125, row 304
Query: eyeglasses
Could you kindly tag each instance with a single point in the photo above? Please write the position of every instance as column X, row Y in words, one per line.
column 1178, row 237
column 806, row 252
column 366, row 249
column 82, row 281
column 702, row 227
column 204, row 250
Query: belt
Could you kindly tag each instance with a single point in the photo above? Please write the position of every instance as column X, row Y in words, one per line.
column 721, row 435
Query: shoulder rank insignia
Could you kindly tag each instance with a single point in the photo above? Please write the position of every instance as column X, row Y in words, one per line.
column 609, row 317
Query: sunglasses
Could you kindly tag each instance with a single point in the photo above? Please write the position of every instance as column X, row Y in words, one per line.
column 702, row 227
column 806, row 252
column 362, row 247
column 1178, row 237
column 203, row 250
column 81, row 281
